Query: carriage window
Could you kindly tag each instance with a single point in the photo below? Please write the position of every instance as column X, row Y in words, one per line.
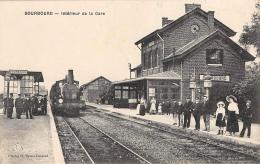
column 214, row 56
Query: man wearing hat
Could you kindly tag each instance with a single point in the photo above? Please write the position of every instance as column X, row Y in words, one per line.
column 19, row 106
column 197, row 113
column 206, row 113
column 34, row 104
column 44, row 103
column 28, row 108
column 188, row 107
column 174, row 105
column 10, row 106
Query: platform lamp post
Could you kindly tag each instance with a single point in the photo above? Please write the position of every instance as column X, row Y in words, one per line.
column 193, row 86
column 207, row 83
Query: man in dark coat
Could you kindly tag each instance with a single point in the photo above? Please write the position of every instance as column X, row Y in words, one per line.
column 28, row 107
column 19, row 106
column 5, row 105
column 34, row 103
column 44, row 104
column 179, row 110
column 247, row 116
column 168, row 107
column 188, row 107
column 174, row 105
column 10, row 106
column 206, row 113
column 197, row 113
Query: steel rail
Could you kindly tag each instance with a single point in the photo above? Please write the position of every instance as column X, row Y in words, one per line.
column 189, row 137
column 194, row 151
column 122, row 145
column 90, row 158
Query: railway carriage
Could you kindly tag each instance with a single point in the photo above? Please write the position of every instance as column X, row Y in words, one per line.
column 65, row 97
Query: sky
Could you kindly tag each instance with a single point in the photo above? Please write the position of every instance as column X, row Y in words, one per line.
column 93, row 45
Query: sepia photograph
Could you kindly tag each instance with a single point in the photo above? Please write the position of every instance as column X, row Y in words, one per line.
column 129, row 81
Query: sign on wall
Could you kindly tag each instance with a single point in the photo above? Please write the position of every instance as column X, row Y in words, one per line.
column 18, row 72
column 151, row 92
column 225, row 78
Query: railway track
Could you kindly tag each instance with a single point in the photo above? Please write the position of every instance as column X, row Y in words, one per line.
column 99, row 146
column 73, row 150
column 211, row 151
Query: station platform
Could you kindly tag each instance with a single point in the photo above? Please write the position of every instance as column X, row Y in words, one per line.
column 253, row 141
column 29, row 141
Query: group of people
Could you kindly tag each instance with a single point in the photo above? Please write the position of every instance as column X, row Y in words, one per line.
column 226, row 118
column 27, row 105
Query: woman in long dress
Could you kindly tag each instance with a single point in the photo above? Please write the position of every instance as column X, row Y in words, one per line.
column 142, row 106
column 220, row 114
column 233, row 111
column 153, row 106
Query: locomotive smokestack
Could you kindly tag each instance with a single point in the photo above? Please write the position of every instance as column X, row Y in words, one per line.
column 70, row 77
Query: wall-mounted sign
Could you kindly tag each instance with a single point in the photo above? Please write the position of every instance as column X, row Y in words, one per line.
column 217, row 77
column 151, row 92
column 132, row 101
column 18, row 72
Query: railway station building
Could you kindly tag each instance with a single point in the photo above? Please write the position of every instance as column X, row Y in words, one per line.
column 185, row 57
column 91, row 91
column 22, row 82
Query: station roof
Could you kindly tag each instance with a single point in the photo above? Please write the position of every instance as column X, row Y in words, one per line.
column 227, row 30
column 168, row 75
column 38, row 77
column 191, row 46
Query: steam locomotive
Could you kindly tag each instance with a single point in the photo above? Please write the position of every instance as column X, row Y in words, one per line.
column 65, row 96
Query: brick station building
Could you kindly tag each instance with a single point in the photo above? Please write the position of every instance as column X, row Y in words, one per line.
column 91, row 91
column 181, row 51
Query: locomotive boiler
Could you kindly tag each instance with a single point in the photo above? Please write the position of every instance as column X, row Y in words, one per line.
column 65, row 96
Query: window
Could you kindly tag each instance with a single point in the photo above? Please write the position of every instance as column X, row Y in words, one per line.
column 214, row 56
column 154, row 58
column 118, row 94
column 125, row 94
column 164, row 94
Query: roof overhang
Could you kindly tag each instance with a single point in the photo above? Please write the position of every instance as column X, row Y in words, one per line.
column 169, row 75
column 185, row 50
column 38, row 77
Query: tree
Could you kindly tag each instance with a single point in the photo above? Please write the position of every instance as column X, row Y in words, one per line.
column 249, row 89
column 251, row 33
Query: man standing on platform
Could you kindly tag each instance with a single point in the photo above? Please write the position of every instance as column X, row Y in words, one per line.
column 44, row 103
column 197, row 113
column 5, row 106
column 174, row 111
column 28, row 107
column 34, row 104
column 19, row 106
column 188, row 107
column 10, row 106
column 206, row 113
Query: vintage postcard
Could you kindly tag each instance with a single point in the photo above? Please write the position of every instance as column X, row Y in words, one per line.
column 129, row 81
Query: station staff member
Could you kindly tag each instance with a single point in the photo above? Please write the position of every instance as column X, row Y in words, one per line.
column 197, row 113
column 206, row 113
column 10, row 106
column 28, row 107
column 188, row 107
column 19, row 104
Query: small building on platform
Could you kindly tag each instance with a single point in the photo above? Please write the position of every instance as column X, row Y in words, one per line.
column 93, row 90
column 185, row 57
column 22, row 82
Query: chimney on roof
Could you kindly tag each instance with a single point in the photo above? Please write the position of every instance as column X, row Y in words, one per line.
column 189, row 7
column 211, row 21
column 165, row 21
